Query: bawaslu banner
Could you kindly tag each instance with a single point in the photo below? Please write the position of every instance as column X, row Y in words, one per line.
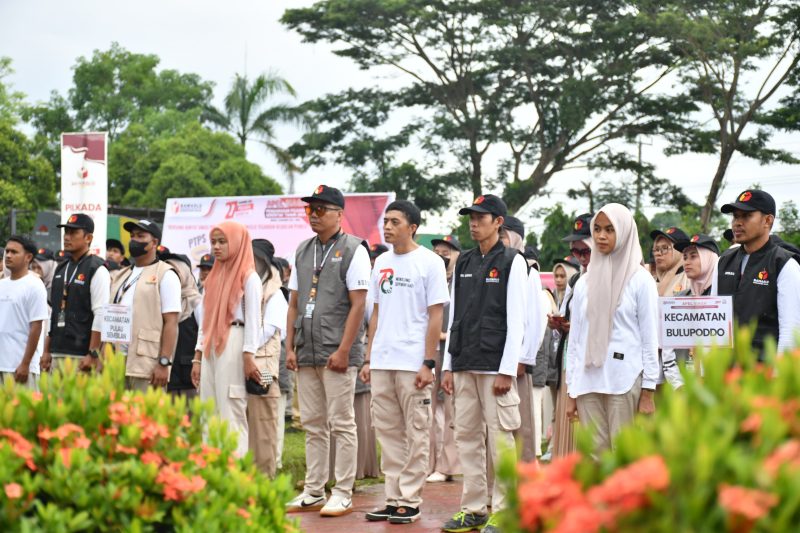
column 281, row 219
column 84, row 181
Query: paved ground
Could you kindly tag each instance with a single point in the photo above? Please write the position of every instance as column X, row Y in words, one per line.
column 440, row 503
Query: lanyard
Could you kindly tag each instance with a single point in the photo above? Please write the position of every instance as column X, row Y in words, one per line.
column 318, row 269
column 68, row 280
column 126, row 285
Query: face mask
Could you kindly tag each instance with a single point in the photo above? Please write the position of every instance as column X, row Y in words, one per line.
column 446, row 261
column 137, row 249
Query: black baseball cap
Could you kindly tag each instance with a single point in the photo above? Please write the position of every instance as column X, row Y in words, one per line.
column 449, row 240
column 531, row 252
column 487, row 203
column 700, row 240
column 752, row 200
column 114, row 243
column 581, row 228
column 144, row 225
column 569, row 260
column 377, row 249
column 674, row 234
column 514, row 224
column 728, row 235
column 264, row 249
column 43, row 254
column 207, row 261
column 325, row 194
column 79, row 221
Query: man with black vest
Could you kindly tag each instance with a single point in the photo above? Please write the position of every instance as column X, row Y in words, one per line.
column 328, row 287
column 759, row 274
column 487, row 326
column 79, row 290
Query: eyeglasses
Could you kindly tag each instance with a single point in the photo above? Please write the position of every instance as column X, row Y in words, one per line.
column 662, row 250
column 582, row 252
column 319, row 210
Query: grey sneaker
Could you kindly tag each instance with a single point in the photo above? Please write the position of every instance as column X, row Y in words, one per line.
column 463, row 522
column 491, row 525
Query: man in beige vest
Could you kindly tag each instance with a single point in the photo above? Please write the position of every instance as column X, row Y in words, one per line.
column 262, row 409
column 150, row 292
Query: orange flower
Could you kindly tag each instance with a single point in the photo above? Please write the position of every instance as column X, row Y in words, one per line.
column 176, row 484
column 787, row 454
column 67, row 429
column 151, row 458
column 66, row 456
column 13, row 491
column 627, row 489
column 733, row 375
column 127, row 449
column 36, row 396
column 197, row 459
column 185, row 423
column 20, row 446
column 750, row 504
column 241, row 511
column 751, row 424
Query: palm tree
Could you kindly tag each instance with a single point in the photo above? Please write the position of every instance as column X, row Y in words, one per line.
column 246, row 116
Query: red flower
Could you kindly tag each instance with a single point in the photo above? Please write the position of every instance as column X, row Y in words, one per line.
column 13, row 491
column 20, row 446
column 197, row 459
column 751, row 424
column 786, row 454
column 151, row 458
column 66, row 456
column 241, row 511
column 176, row 484
column 750, row 504
column 127, row 449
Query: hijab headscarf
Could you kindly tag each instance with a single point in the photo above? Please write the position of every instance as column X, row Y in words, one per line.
column 48, row 271
column 515, row 240
column 224, row 286
column 569, row 271
column 666, row 278
column 606, row 279
column 708, row 260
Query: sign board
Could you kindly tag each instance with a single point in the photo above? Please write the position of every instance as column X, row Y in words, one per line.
column 117, row 319
column 280, row 219
column 689, row 321
column 84, row 182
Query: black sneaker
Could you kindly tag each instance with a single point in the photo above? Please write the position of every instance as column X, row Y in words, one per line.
column 379, row 515
column 462, row 522
column 404, row 515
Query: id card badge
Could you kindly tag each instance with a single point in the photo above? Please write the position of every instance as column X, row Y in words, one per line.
column 309, row 310
column 116, row 325
column 61, row 321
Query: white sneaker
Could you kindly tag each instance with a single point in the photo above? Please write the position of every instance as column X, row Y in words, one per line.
column 305, row 503
column 436, row 477
column 337, row 506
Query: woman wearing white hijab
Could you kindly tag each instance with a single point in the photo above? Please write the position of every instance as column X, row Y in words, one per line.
column 612, row 358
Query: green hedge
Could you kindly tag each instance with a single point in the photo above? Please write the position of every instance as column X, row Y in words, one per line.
column 86, row 455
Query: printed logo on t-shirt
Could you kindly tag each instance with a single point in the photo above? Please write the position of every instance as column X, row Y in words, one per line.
column 387, row 280
column 494, row 276
column 762, row 278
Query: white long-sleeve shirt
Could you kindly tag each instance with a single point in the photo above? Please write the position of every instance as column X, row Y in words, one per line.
column 536, row 319
column 632, row 347
column 251, row 316
column 516, row 301
column 788, row 303
column 274, row 317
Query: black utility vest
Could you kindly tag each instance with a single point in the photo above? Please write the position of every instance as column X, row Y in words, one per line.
column 74, row 337
column 478, row 333
column 755, row 292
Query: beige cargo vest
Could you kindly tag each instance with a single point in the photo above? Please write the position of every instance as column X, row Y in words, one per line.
column 145, row 346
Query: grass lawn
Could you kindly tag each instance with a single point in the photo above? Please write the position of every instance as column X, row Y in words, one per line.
column 294, row 460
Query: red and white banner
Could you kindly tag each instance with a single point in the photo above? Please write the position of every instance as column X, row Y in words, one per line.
column 84, row 181
column 281, row 219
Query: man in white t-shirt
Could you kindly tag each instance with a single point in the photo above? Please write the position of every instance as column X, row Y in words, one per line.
column 150, row 292
column 409, row 290
column 23, row 309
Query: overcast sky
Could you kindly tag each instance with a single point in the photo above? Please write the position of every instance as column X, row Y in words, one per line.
column 218, row 39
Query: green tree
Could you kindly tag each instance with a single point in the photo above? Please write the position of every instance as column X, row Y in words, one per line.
column 734, row 56
column 557, row 225
column 246, row 115
column 10, row 100
column 789, row 218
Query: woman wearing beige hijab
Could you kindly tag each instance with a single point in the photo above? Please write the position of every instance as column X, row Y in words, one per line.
column 670, row 277
column 612, row 358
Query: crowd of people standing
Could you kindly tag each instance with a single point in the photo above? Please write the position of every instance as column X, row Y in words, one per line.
column 443, row 356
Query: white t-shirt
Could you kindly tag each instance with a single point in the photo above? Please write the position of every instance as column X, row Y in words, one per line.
column 403, row 286
column 274, row 317
column 22, row 301
column 358, row 273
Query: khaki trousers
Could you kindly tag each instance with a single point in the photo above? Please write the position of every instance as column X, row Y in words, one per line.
column 138, row 384
column 526, row 434
column 58, row 362
column 222, row 379
column 282, row 401
column 262, row 430
column 32, row 383
column 444, row 454
column 482, row 420
column 608, row 413
column 401, row 414
column 326, row 408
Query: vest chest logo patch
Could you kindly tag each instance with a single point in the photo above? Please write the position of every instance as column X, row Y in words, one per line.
column 494, row 276
column 337, row 257
column 386, row 280
column 80, row 279
column 762, row 278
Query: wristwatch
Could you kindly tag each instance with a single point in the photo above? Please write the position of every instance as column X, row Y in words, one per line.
column 430, row 363
column 94, row 354
column 164, row 361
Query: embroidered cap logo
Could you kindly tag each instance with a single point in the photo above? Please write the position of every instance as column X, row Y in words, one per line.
column 670, row 231
column 745, row 196
column 73, row 218
column 319, row 189
column 578, row 224
column 478, row 200
column 695, row 238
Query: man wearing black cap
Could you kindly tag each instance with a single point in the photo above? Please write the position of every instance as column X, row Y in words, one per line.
column 204, row 267
column 760, row 275
column 79, row 290
column 23, row 309
column 115, row 252
column 375, row 251
column 486, row 342
column 326, row 315
column 150, row 291
column 669, row 262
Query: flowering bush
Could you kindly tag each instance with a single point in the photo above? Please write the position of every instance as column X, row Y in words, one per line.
column 85, row 455
column 720, row 454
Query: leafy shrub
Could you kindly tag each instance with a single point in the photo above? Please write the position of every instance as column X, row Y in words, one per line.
column 86, row 455
column 720, row 454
